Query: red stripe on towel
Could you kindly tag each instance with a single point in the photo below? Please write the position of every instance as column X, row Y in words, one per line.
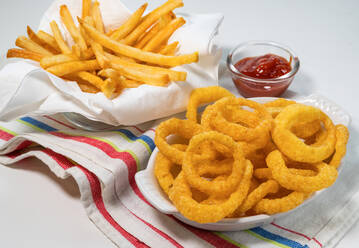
column 291, row 231
column 96, row 195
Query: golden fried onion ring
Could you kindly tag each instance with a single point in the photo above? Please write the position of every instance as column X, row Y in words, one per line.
column 202, row 184
column 239, row 132
column 279, row 205
column 291, row 145
column 325, row 177
column 203, row 96
column 163, row 169
column 215, row 167
column 184, row 128
column 301, row 130
column 276, row 106
column 265, row 173
column 342, row 135
column 270, row 186
column 280, row 102
column 181, row 196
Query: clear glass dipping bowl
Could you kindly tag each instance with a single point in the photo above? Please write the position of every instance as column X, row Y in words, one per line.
column 254, row 87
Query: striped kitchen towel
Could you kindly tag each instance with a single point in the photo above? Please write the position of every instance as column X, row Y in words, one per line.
column 104, row 165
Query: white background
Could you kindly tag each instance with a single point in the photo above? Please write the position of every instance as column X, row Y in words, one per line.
column 39, row 210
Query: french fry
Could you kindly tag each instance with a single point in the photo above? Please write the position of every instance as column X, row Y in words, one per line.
column 116, row 83
column 33, row 36
column 86, row 87
column 86, row 8
column 96, row 47
column 90, row 21
column 110, row 32
column 151, row 19
column 164, row 34
column 25, row 54
column 49, row 40
column 136, row 53
column 76, row 50
column 49, row 61
column 108, row 87
column 109, row 73
column 142, row 41
column 83, row 33
column 59, row 39
column 172, row 15
column 169, row 49
column 71, row 27
column 30, row 45
column 74, row 66
column 97, row 17
column 129, row 25
column 119, row 88
column 173, row 75
column 128, row 83
column 114, row 76
column 100, row 57
column 162, row 22
column 147, row 78
column 88, row 53
column 97, row 22
column 122, row 81
column 125, row 58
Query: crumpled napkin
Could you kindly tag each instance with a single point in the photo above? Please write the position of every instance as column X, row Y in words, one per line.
column 28, row 89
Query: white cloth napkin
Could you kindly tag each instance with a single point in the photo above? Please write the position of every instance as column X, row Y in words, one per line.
column 26, row 88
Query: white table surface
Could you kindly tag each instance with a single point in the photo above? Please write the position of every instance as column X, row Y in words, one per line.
column 39, row 210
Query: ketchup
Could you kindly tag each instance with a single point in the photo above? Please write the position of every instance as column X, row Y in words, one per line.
column 264, row 67
column 268, row 66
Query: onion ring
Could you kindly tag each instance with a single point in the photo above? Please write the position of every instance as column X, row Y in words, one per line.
column 184, row 128
column 292, row 146
column 254, row 138
column 203, row 96
column 241, row 116
column 301, row 130
column 265, row 173
column 342, row 135
column 325, row 177
column 180, row 195
column 280, row 102
column 276, row 106
column 236, row 115
column 270, row 186
column 206, row 121
column 236, row 213
column 284, row 204
column 213, row 187
column 215, row 167
column 163, row 169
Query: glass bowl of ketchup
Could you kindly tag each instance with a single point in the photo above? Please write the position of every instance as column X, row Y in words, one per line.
column 262, row 68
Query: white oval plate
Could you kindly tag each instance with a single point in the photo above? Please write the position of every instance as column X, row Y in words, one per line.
column 151, row 190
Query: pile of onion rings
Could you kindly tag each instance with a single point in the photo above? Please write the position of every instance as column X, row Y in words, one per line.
column 241, row 158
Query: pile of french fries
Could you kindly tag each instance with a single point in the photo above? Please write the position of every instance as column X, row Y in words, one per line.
column 134, row 54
